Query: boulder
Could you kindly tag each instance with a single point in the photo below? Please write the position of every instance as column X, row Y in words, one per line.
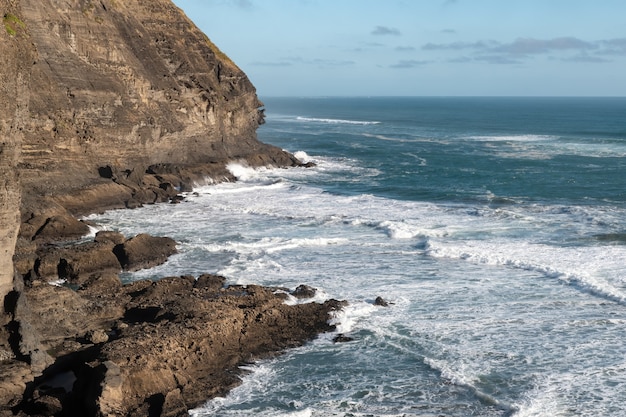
column 77, row 263
column 62, row 228
column 379, row 301
column 144, row 251
column 109, row 236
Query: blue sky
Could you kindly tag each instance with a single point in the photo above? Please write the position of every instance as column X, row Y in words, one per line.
column 421, row 47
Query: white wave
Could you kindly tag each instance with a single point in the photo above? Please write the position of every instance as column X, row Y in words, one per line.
column 390, row 139
column 243, row 172
column 597, row 270
column 348, row 317
column 403, row 230
column 513, row 138
column 336, row 121
column 303, row 156
column 272, row 244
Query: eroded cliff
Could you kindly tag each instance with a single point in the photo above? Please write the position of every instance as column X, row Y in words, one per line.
column 128, row 84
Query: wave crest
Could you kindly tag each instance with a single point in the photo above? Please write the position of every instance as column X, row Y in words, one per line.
column 336, row 121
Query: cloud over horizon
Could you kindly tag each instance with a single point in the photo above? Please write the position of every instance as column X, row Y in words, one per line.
column 515, row 52
column 385, row 31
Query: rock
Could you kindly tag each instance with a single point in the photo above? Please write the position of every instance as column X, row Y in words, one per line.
column 341, row 338
column 94, row 93
column 379, row 301
column 97, row 336
column 210, row 282
column 109, row 236
column 144, row 251
column 304, row 291
column 17, row 53
column 101, row 283
column 78, row 262
column 62, row 227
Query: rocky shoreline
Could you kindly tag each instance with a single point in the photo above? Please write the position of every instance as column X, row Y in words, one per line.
column 111, row 105
column 97, row 347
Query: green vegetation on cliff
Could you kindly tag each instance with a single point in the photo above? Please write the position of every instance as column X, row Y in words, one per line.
column 12, row 23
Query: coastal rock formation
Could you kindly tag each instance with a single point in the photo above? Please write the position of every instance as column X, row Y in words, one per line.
column 109, row 105
column 125, row 85
column 155, row 348
column 121, row 90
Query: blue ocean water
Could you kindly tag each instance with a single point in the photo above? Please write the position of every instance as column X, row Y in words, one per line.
column 495, row 227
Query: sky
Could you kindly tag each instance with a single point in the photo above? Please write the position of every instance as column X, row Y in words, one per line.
column 421, row 47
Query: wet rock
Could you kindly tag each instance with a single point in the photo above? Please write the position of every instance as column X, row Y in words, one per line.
column 379, row 301
column 341, row 338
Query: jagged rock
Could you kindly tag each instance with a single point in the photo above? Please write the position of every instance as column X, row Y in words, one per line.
column 175, row 342
column 379, row 301
column 144, row 251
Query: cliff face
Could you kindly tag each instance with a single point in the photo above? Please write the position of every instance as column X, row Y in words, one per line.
column 15, row 64
column 128, row 84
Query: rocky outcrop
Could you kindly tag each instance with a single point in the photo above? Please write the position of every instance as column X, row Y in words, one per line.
column 154, row 348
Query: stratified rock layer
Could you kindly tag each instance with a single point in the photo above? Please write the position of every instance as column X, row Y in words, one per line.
column 128, row 84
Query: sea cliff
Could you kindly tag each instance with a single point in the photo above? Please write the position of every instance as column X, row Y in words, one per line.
column 109, row 105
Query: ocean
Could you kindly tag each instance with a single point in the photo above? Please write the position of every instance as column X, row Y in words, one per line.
column 494, row 227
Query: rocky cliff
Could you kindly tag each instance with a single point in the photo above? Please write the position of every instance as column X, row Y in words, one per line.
column 16, row 56
column 112, row 104
column 128, row 84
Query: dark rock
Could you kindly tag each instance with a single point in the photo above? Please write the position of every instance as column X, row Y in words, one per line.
column 144, row 251
column 341, row 338
column 304, row 291
column 379, row 301
column 177, row 199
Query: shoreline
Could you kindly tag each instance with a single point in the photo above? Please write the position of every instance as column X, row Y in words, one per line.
column 147, row 347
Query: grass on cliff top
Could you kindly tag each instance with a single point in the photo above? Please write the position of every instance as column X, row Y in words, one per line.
column 12, row 23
